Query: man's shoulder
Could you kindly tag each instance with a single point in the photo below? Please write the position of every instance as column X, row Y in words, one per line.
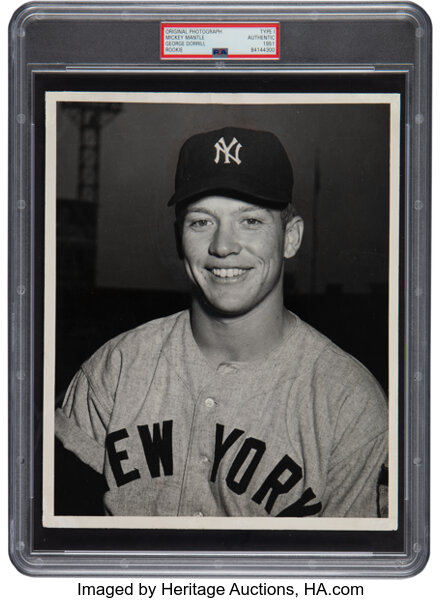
column 338, row 385
column 330, row 363
column 149, row 337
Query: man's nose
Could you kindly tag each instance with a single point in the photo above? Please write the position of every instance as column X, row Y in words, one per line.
column 224, row 242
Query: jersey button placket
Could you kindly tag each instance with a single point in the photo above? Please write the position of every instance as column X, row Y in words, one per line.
column 197, row 471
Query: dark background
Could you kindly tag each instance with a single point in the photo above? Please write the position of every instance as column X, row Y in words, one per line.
column 117, row 264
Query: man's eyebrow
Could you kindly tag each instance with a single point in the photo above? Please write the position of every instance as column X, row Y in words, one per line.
column 243, row 209
column 200, row 210
column 253, row 208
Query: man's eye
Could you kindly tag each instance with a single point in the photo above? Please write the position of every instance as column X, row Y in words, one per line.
column 252, row 221
column 199, row 223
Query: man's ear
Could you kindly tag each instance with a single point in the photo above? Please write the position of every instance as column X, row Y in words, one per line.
column 178, row 239
column 293, row 236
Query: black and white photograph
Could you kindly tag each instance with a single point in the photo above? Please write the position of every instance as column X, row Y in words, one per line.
column 221, row 332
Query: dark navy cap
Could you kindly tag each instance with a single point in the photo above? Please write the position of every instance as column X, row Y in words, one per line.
column 243, row 163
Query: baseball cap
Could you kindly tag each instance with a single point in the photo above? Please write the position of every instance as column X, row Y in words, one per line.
column 249, row 164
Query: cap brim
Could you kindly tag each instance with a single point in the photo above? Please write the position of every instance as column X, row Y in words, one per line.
column 242, row 190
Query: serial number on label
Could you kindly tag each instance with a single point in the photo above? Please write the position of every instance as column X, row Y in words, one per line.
column 262, row 50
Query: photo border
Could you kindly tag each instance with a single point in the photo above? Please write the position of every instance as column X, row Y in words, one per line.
column 219, row 523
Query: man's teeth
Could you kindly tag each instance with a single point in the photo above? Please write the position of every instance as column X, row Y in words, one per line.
column 228, row 272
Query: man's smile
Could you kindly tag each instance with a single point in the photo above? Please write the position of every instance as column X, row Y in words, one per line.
column 228, row 272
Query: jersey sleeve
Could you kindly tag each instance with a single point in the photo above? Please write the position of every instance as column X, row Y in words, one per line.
column 359, row 457
column 81, row 422
column 355, row 486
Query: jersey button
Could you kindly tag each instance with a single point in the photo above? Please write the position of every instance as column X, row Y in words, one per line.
column 227, row 368
column 198, row 514
column 209, row 402
column 204, row 459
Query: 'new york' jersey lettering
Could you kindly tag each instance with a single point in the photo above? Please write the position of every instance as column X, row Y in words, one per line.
column 239, row 477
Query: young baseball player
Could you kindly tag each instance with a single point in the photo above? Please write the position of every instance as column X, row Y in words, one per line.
column 235, row 407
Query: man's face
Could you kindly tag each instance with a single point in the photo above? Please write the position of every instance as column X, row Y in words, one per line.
column 233, row 252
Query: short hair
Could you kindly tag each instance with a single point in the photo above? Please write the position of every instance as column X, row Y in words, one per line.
column 287, row 214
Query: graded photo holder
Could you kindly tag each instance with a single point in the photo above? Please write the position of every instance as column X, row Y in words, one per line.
column 219, row 289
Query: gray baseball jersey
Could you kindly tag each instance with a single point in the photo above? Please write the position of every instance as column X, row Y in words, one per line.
column 300, row 432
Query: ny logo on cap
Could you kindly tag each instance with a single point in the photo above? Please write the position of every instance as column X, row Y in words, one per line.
column 221, row 146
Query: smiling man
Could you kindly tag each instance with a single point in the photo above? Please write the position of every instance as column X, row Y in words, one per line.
column 233, row 253
column 235, row 407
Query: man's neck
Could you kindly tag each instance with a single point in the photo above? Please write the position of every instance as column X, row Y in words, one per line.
column 240, row 338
